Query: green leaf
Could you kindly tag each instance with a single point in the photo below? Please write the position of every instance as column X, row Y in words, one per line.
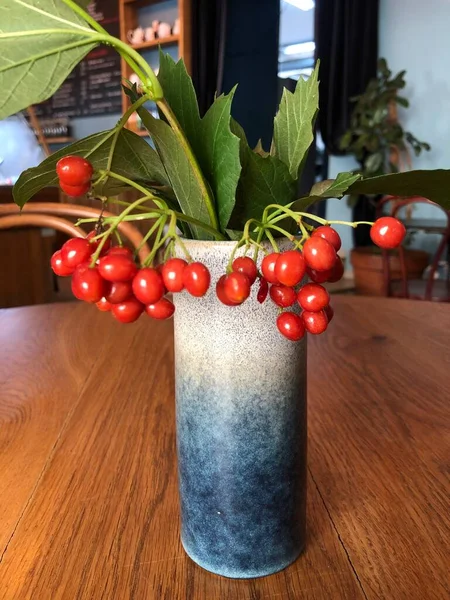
column 433, row 185
column 217, row 150
column 294, row 122
column 215, row 146
column 133, row 158
column 373, row 162
column 330, row 188
column 41, row 41
column 263, row 181
column 179, row 171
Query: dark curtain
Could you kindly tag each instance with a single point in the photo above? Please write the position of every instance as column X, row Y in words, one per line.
column 346, row 36
column 346, row 33
column 209, row 20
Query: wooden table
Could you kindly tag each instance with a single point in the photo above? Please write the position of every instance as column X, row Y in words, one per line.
column 88, row 490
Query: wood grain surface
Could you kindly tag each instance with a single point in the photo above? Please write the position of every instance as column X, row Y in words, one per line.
column 88, row 490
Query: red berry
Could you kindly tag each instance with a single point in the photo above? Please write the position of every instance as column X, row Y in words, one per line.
column 104, row 305
column 329, row 312
column 59, row 268
column 237, row 287
column 313, row 297
column 268, row 267
column 128, row 311
column 121, row 250
column 74, row 170
column 319, row 254
column 221, row 294
column 290, row 268
column 336, row 272
column 75, row 190
column 75, row 251
column 283, row 295
column 328, row 233
column 117, row 267
column 196, row 279
column 247, row 266
column 87, row 284
column 148, row 286
column 315, row 322
column 118, row 291
column 291, row 326
column 263, row 290
column 172, row 274
column 387, row 232
column 163, row 309
column 318, row 276
column 95, row 244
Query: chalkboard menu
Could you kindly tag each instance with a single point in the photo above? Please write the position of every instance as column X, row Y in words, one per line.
column 93, row 88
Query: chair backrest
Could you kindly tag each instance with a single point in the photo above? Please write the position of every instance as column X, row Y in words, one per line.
column 397, row 204
column 49, row 214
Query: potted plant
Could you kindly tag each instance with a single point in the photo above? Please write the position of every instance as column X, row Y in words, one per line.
column 226, row 219
column 380, row 145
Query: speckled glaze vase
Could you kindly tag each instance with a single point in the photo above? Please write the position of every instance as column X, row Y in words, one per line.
column 241, row 430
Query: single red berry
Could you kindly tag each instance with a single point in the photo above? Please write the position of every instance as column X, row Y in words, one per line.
column 196, row 279
column 87, row 284
column 74, row 170
column 148, row 286
column 328, row 233
column 118, row 291
column 121, row 250
column 313, row 297
column 318, row 276
column 263, row 290
column 163, row 309
column 237, row 287
column 221, row 294
column 336, row 272
column 283, row 295
column 117, row 267
column 128, row 311
column 103, row 305
column 59, row 268
column 75, row 251
column 268, row 267
column 247, row 266
column 319, row 254
column 95, row 244
column 291, row 326
column 329, row 312
column 172, row 274
column 75, row 190
column 315, row 322
column 387, row 232
column 290, row 268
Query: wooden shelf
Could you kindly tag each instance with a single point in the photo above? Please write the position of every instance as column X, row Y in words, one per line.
column 59, row 140
column 170, row 39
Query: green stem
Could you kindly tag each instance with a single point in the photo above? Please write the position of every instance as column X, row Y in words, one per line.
column 137, row 186
column 85, row 16
column 160, row 222
column 173, row 122
column 286, row 234
column 272, row 241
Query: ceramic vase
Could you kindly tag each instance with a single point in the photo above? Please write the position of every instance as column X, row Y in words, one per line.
column 241, row 430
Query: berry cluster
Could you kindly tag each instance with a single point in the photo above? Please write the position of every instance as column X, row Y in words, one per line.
column 116, row 284
column 285, row 272
column 74, row 173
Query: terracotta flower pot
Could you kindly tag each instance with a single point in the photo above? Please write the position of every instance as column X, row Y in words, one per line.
column 368, row 268
column 241, row 430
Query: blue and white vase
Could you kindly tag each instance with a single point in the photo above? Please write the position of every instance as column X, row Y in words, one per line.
column 241, row 430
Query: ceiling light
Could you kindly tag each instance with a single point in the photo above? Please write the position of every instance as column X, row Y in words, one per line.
column 301, row 4
column 303, row 49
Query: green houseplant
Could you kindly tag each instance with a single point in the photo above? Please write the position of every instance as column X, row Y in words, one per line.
column 222, row 210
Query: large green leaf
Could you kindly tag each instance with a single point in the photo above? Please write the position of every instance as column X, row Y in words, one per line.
column 330, row 188
column 41, row 41
column 133, row 158
column 179, row 169
column 434, row 185
column 294, row 122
